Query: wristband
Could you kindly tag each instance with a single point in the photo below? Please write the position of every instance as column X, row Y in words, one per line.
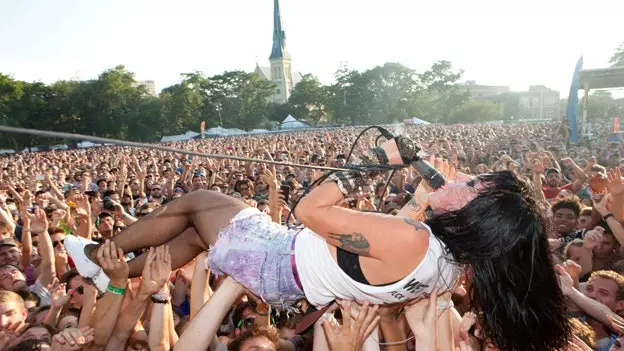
column 162, row 295
column 347, row 182
column 155, row 300
column 605, row 217
column 115, row 290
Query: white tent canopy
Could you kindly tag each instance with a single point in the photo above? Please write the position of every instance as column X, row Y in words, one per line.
column 236, row 131
column 291, row 123
column 258, row 131
column 182, row 137
column 217, row 131
column 415, row 120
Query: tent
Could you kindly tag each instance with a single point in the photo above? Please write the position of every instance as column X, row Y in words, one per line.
column 182, row 137
column 236, row 131
column 216, row 132
column 291, row 123
column 258, row 131
column 415, row 120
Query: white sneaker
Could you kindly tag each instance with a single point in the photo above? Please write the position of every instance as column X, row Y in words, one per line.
column 86, row 268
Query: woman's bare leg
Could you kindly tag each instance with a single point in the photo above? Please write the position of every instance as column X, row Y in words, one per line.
column 183, row 248
column 208, row 212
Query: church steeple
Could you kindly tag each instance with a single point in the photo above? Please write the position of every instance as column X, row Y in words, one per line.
column 279, row 35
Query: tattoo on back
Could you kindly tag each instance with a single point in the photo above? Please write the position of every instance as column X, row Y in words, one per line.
column 355, row 243
column 414, row 223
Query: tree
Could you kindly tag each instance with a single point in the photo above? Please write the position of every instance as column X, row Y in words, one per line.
column 438, row 95
column 510, row 103
column 600, row 104
column 617, row 60
column 477, row 111
column 278, row 112
column 309, row 99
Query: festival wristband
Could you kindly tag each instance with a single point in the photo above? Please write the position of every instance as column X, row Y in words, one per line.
column 347, row 182
column 115, row 290
column 605, row 217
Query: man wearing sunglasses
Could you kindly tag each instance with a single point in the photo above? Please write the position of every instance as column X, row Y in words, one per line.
column 79, row 287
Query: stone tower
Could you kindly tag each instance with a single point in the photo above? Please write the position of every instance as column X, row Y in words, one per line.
column 281, row 69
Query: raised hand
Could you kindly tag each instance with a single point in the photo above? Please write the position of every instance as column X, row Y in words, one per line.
column 573, row 269
column 538, row 166
column 353, row 333
column 111, row 259
column 593, row 238
column 422, row 317
column 83, row 206
column 157, row 270
column 27, row 197
column 73, row 339
column 602, row 205
column 38, row 220
column 59, row 296
column 616, row 184
column 617, row 323
column 566, row 283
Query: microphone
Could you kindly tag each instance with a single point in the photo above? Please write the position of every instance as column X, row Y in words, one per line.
column 429, row 174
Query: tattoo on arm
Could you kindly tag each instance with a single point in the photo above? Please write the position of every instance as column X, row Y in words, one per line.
column 414, row 223
column 414, row 204
column 355, row 243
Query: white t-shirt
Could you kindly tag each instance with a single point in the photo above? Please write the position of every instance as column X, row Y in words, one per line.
column 324, row 281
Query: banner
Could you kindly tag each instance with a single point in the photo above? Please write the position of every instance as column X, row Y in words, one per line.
column 572, row 108
column 202, row 128
column 616, row 124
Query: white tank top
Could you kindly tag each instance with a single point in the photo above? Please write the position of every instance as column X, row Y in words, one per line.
column 324, row 281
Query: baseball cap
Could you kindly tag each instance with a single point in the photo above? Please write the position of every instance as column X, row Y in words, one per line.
column 551, row 170
column 8, row 242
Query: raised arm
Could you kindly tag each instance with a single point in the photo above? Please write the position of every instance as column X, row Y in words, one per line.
column 365, row 234
column 39, row 225
column 155, row 275
column 201, row 331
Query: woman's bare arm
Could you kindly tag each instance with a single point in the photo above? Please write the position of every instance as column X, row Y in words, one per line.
column 365, row 234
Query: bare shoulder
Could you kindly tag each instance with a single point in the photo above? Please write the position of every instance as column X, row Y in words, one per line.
column 416, row 225
column 418, row 235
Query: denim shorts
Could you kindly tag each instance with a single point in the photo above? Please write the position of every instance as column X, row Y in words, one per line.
column 259, row 254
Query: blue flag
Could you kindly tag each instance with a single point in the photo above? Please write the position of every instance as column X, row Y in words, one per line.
column 572, row 108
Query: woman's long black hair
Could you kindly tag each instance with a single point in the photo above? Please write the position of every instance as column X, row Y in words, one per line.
column 501, row 237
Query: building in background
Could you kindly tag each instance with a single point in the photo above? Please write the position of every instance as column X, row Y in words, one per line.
column 280, row 72
column 478, row 91
column 149, row 86
column 540, row 102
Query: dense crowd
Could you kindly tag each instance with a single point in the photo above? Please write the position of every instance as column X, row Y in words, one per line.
column 95, row 193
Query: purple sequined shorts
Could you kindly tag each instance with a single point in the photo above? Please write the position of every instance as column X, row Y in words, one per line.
column 259, row 254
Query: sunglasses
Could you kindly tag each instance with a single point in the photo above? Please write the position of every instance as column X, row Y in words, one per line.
column 55, row 243
column 156, row 189
column 247, row 323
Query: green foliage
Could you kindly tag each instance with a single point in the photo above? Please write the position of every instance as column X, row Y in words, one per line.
column 602, row 105
column 309, row 100
column 114, row 106
column 617, row 60
column 477, row 111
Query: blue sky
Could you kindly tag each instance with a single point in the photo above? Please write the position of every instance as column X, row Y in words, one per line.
column 516, row 43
